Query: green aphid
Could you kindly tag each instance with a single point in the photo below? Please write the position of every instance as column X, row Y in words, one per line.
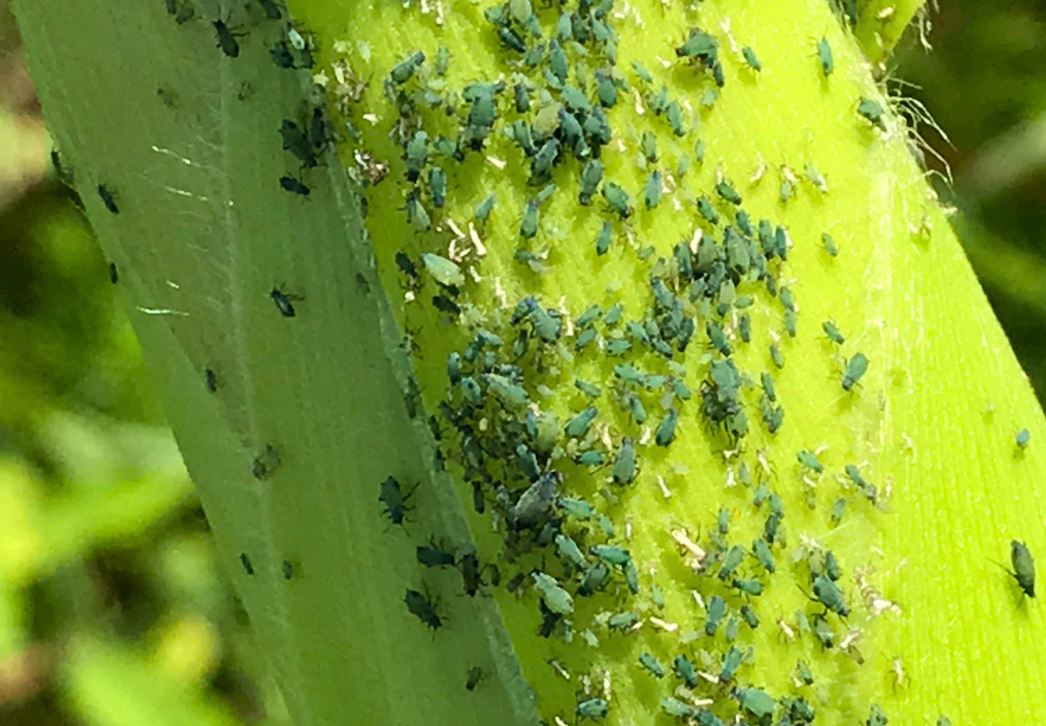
column 597, row 127
column 803, row 673
column 1022, row 438
column 404, row 70
column 789, row 321
column 815, row 176
column 684, row 669
column 833, row 332
column 768, row 386
column 555, row 597
column 541, row 163
column 725, row 190
column 831, row 566
column 652, row 190
column 594, row 578
column 674, row 116
column 546, row 192
column 417, row 155
column 574, row 99
column 699, row 151
column 606, row 91
column 730, row 633
column 589, row 389
column 545, row 325
column 773, row 416
column 762, row 553
column 666, row 430
column 611, row 554
column 557, row 61
column 747, row 586
column 658, row 101
column 454, row 368
column 681, row 390
column 770, row 526
column 717, row 337
column 708, row 98
column 528, row 462
column 631, row 577
column 512, row 396
column 489, row 339
column 642, row 72
column 590, row 457
column 876, row 717
column 590, row 315
column 613, row 314
column 823, row 632
column 723, row 521
column 829, row 244
column 829, row 595
column 624, row 470
column 603, row 238
column 585, row 337
column 422, row 608
column 591, row 176
column 511, row 39
column 637, row 331
column 715, row 611
column 528, row 225
column 444, row 271
column 1023, row 567
column 569, row 552
column 473, row 677
column 800, row 711
column 618, row 346
column 533, row 55
column 704, row 206
column 871, row 111
column 623, row 621
column 838, row 507
column 824, row 57
column 471, row 390
column 650, row 663
column 749, row 616
column 751, row 59
column 636, row 409
column 578, row 426
column 438, row 186
column 628, row 373
column 617, row 198
column 809, row 460
column 576, row 508
column 674, row 707
column 593, row 708
column 786, row 190
column 432, row 556
column 787, row 301
column 657, row 596
column 731, row 662
column 700, row 45
column 756, row 701
column 416, row 213
column 648, row 145
column 521, row 98
column 855, row 368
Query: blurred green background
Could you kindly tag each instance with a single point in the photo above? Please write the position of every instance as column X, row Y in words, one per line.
column 113, row 610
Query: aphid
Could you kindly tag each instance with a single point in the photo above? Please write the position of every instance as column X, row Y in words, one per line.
column 749, row 616
column 265, row 463
column 416, row 213
column 727, row 192
column 577, row 427
column 666, row 430
column 433, row 556
column 210, row 380
column 246, row 563
column 642, row 72
column 657, row 596
column 611, row 554
column 1023, row 437
column 569, row 551
column 756, row 701
column 555, row 598
column 823, row 631
column 535, row 503
column 1023, row 567
column 468, row 566
column 799, row 710
column 803, row 673
column 576, row 508
column 770, row 526
column 762, row 553
column 833, row 332
column 445, row 305
column 606, row 91
column 700, row 45
column 674, row 707
column 829, row 244
column 283, row 302
column 824, row 57
column 593, row 708
column 287, row 567
column 114, row 274
column 394, row 500
column 717, row 337
column 618, row 199
column 295, row 141
column 631, row 577
column 483, row 208
column 272, row 11
column 292, row 185
column 751, row 59
column 744, row 328
column 715, row 611
column 747, row 586
column 593, row 579
column 652, row 190
column 472, row 679
column 943, row 721
column 809, row 460
column 226, row 39
column 684, row 669
column 107, row 199
column 829, row 595
column 528, row 225
column 837, row 510
column 624, row 470
column 613, row 314
column 871, row 111
column 650, row 663
column 789, row 321
column 876, row 717
column 855, row 368
column 404, row 70
column 831, row 566
column 422, row 608
column 444, row 271
column 319, row 129
column 731, row 662
column 704, row 206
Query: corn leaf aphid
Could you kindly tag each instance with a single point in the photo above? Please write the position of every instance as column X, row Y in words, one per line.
column 747, row 586
column 394, row 499
column 824, row 57
column 424, row 610
column 593, row 579
column 855, row 368
column 749, row 616
column 576, row 508
column 751, row 59
column 528, row 225
column 715, row 611
column 591, row 176
column 473, row 677
column 871, row 111
column 624, row 470
column 226, row 39
column 245, row 562
column 603, row 238
column 650, row 663
column 569, row 552
column 617, row 198
column 829, row 595
column 684, row 670
column 535, row 503
column 642, row 72
column 292, row 185
column 592, row 708
column 577, row 427
column 1023, row 567
column 107, row 199
column 555, row 597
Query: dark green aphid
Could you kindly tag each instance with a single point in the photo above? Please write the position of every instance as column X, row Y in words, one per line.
column 591, row 176
column 799, row 710
column 803, row 673
column 283, row 303
column 824, row 57
column 597, row 127
column 684, row 669
column 650, row 663
column 829, row 244
column 611, row 554
column 823, row 631
column 107, row 199
column 473, row 677
column 555, row 597
column 521, row 97
column 292, row 185
column 731, row 662
column 603, row 238
column 226, row 39
column 747, row 586
column 593, row 708
column 618, row 346
column 751, row 59
column 624, row 470
column 576, row 508
column 855, row 368
column 569, row 551
column 831, row 566
column 575, row 100
column 704, row 206
column 1023, row 567
column 773, row 416
column 723, row 521
column 718, row 74
column 809, row 460
column 590, row 315
column 606, row 91
column 445, row 305
column 871, row 111
column 287, row 567
column 514, row 583
column 528, row 462
column 876, row 717
column 511, row 39
column 245, row 562
column 394, row 499
column 674, row 707
column 652, row 190
column 768, row 386
column 716, row 610
column 832, row 332
column 725, row 190
column 657, row 596
column 535, row 503
column 404, row 70
column 717, row 337
column 1022, row 438
column 578, row 426
column 433, row 556
column 424, row 610
column 775, row 355
column 642, row 72
column 943, row 721
column 533, row 56
column 617, row 198
column 557, row 61
column 762, row 553
column 749, row 616
column 295, row 141
column 829, row 595
column 470, row 388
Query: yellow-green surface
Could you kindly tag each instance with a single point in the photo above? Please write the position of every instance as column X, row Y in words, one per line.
column 933, row 420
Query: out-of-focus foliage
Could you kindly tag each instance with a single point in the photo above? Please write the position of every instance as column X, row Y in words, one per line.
column 112, row 610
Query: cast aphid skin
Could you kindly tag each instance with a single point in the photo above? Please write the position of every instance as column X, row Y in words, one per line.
column 872, row 112
column 226, row 39
column 422, row 608
column 832, row 332
column 292, row 185
column 855, row 368
column 592, row 708
column 1023, row 567
column 824, row 57
column 283, row 303
column 394, row 499
column 473, row 677
column 245, row 562
column 650, row 663
column 107, row 199
column 829, row 595
column 751, row 59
